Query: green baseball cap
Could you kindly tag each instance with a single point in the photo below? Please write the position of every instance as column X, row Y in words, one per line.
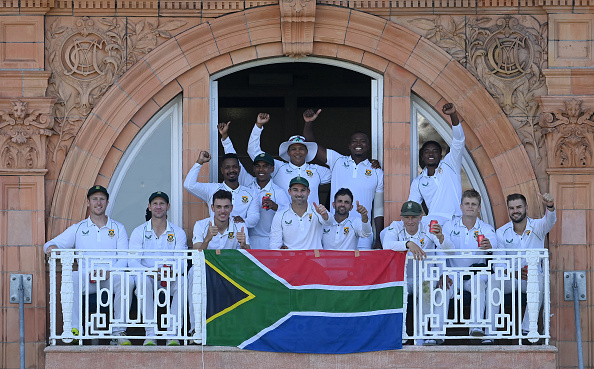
column 97, row 188
column 411, row 208
column 265, row 157
column 299, row 180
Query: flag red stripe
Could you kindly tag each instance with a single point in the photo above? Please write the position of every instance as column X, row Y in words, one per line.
column 332, row 267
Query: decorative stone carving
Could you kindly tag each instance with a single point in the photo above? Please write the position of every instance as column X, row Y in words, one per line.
column 508, row 55
column 87, row 58
column 569, row 135
column 297, row 26
column 23, row 132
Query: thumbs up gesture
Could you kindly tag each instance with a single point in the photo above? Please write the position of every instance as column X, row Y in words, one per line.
column 241, row 239
column 321, row 209
column 361, row 210
column 211, row 232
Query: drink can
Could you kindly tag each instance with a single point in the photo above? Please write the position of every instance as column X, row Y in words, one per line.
column 265, row 198
column 479, row 239
column 431, row 223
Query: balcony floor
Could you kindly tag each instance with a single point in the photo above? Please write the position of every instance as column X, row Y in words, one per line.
column 446, row 357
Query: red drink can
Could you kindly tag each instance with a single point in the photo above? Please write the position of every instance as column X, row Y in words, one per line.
column 479, row 239
column 265, row 206
column 164, row 283
column 431, row 223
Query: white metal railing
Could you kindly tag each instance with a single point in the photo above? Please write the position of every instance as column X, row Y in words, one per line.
column 101, row 274
column 428, row 300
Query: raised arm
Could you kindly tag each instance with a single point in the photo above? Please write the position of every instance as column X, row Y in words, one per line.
column 199, row 189
column 245, row 178
column 309, row 116
column 254, row 147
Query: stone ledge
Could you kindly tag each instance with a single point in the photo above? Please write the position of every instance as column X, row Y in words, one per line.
column 459, row 357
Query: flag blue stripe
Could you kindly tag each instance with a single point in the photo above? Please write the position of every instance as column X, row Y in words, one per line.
column 333, row 335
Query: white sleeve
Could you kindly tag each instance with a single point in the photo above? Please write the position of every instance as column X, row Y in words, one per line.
column 253, row 212
column 276, row 231
column 546, row 223
column 254, row 147
column 363, row 229
column 325, row 174
column 415, row 195
column 122, row 244
column 391, row 241
column 136, row 245
column 198, row 189
column 198, row 234
column 331, row 157
column 454, row 158
column 64, row 240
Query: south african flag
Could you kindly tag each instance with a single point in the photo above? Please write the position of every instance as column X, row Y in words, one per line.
column 306, row 301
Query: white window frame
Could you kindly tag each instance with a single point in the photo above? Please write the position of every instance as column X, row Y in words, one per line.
column 444, row 129
column 172, row 109
column 377, row 98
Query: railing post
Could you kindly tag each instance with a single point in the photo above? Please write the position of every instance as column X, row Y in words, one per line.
column 532, row 293
column 67, row 294
column 197, row 292
column 52, row 298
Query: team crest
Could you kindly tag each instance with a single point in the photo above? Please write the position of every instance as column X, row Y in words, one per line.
column 346, row 231
column 244, row 199
column 439, row 170
column 111, row 233
column 476, row 234
column 309, row 173
column 528, row 233
column 368, row 172
column 422, row 242
column 310, row 215
column 170, row 237
column 231, row 234
column 268, row 194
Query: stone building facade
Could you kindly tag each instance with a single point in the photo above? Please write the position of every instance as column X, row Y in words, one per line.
column 80, row 79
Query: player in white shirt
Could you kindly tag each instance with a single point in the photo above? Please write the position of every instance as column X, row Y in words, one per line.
column 440, row 182
column 524, row 233
column 355, row 172
column 157, row 234
column 273, row 197
column 462, row 232
column 245, row 205
column 346, row 229
column 413, row 234
column 97, row 232
column 300, row 226
column 215, row 233
column 298, row 153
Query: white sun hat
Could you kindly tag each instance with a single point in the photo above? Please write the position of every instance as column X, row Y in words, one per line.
column 312, row 148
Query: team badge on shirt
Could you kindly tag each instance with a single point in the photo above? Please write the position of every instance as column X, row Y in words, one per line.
column 148, row 237
column 345, row 231
column 476, row 233
column 244, row 199
column 439, row 170
column 268, row 194
column 111, row 233
column 310, row 217
column 422, row 241
column 425, row 184
column 170, row 237
column 85, row 233
column 289, row 222
column 326, row 231
column 309, row 173
column 368, row 172
column 231, row 234
column 528, row 233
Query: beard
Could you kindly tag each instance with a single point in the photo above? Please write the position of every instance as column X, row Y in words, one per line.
column 518, row 218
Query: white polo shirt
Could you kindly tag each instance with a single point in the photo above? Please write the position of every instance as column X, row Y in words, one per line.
column 276, row 194
column 144, row 238
column 345, row 235
column 295, row 232
column 442, row 191
column 532, row 238
column 395, row 238
column 244, row 201
column 462, row 238
column 85, row 235
column 363, row 180
column 285, row 172
column 226, row 240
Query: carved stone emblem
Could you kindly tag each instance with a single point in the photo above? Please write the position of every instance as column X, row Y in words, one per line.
column 297, row 27
column 22, row 136
column 569, row 135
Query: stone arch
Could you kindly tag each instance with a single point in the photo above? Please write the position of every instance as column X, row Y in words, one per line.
column 184, row 63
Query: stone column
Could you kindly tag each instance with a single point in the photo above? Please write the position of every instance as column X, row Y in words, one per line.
column 568, row 124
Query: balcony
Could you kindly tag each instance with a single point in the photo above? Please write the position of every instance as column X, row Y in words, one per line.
column 502, row 321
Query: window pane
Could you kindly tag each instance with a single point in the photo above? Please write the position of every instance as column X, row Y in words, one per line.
column 147, row 172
